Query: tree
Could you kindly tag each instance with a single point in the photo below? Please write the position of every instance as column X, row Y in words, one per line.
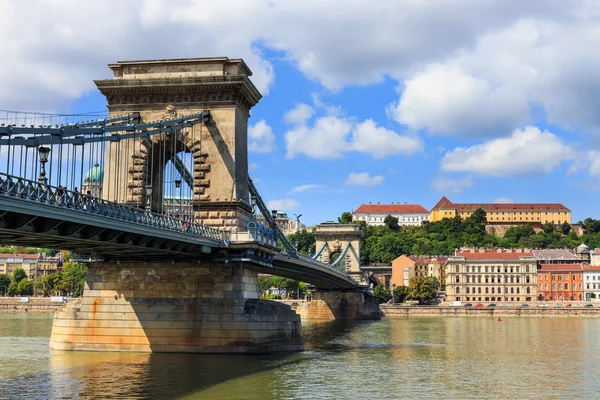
column 18, row 275
column 12, row 289
column 421, row 289
column 304, row 242
column 346, row 218
column 265, row 282
column 548, row 227
column 291, row 286
column 391, row 223
column 73, row 280
column 381, row 293
column 4, row 283
column 565, row 228
column 400, row 293
column 25, row 287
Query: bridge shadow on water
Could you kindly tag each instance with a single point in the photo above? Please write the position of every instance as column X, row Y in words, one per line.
column 167, row 375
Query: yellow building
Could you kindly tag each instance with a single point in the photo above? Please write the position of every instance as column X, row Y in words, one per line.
column 10, row 262
column 504, row 213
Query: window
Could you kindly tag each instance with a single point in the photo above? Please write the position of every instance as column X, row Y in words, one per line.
column 553, row 286
column 479, row 269
column 566, row 286
column 546, row 286
column 457, row 290
column 574, row 277
column 512, row 290
column 580, row 286
column 486, row 290
column 528, row 291
column 457, row 271
column 517, row 290
column 457, row 279
column 479, row 279
column 492, row 278
column 527, row 268
column 518, row 279
column 517, row 270
column 560, row 286
column 566, row 277
column 487, row 279
column 479, row 290
column 486, row 269
column 468, row 290
column 492, row 290
column 527, row 279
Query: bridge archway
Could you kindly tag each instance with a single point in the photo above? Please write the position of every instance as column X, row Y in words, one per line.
column 332, row 240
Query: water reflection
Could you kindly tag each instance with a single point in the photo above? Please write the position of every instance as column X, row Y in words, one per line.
column 389, row 359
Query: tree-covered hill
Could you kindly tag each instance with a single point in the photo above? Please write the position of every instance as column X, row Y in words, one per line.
column 382, row 244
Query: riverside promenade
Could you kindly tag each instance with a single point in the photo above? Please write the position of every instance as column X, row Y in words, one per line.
column 397, row 311
column 35, row 305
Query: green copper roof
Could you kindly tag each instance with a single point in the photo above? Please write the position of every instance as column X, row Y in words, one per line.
column 96, row 174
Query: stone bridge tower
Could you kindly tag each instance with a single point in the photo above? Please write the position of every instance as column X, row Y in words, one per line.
column 163, row 89
column 333, row 238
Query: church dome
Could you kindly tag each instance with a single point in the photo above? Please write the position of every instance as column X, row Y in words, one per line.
column 96, row 174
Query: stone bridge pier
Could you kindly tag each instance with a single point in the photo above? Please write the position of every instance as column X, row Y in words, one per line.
column 175, row 307
column 354, row 304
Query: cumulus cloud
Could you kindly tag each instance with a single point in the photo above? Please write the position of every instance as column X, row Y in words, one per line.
column 380, row 142
column 594, row 158
column 447, row 101
column 331, row 137
column 283, row 205
column 364, row 179
column 304, row 188
column 527, row 151
column 450, row 185
column 299, row 114
column 261, row 138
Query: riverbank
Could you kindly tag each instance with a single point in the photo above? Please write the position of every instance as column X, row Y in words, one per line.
column 34, row 305
column 390, row 311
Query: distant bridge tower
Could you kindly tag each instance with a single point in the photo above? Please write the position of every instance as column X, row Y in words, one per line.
column 163, row 89
column 340, row 239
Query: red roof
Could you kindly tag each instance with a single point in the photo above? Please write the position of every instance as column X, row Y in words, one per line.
column 591, row 268
column 493, row 255
column 390, row 209
column 447, row 204
column 19, row 256
column 560, row 267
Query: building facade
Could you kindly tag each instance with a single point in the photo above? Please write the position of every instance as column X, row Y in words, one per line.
column 595, row 258
column 591, row 283
column 407, row 214
column 504, row 214
column 491, row 275
column 405, row 267
column 560, row 282
column 10, row 262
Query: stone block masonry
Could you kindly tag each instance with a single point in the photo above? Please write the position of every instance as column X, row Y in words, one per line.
column 159, row 307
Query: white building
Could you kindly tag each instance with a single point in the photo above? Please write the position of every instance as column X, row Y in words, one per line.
column 407, row 214
column 595, row 258
column 591, row 283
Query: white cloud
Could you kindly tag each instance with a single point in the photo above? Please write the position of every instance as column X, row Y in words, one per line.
column 364, row 179
column 253, row 166
column 331, row 136
column 283, row 205
column 325, row 139
column 447, row 101
column 594, row 158
column 449, row 185
column 299, row 115
column 503, row 200
column 304, row 188
column 526, row 152
column 261, row 138
column 380, row 142
column 330, row 109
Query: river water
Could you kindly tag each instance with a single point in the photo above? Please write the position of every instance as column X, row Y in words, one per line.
column 456, row 358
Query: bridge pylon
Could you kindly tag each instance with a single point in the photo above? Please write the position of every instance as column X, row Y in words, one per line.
column 166, row 89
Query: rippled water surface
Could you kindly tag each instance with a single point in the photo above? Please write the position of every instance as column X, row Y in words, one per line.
column 390, row 359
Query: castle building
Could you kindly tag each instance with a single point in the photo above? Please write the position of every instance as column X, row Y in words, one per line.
column 504, row 213
column 490, row 275
column 407, row 214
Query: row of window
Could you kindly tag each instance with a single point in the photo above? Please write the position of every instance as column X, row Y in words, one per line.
column 588, row 286
column 544, row 277
column 587, row 278
column 478, row 290
column 493, row 298
column 560, row 286
column 488, row 269
column 492, row 279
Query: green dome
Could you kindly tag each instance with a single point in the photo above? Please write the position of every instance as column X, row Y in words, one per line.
column 96, row 174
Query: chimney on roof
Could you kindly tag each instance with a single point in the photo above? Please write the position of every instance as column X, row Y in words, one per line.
column 377, row 203
column 369, row 202
column 392, row 203
column 404, row 202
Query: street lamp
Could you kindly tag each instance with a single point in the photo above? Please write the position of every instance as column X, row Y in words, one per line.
column 148, row 197
column 43, row 152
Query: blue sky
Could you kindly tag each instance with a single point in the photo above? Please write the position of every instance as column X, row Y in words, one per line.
column 404, row 102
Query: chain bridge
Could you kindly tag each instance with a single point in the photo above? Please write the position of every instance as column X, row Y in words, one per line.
column 157, row 193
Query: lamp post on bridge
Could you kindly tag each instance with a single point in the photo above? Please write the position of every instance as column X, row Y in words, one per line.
column 148, row 198
column 178, row 186
column 43, row 152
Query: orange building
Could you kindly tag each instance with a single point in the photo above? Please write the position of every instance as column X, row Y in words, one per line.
column 560, row 282
column 500, row 213
column 405, row 267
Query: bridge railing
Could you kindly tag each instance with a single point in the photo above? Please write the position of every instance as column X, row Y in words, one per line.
column 14, row 186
